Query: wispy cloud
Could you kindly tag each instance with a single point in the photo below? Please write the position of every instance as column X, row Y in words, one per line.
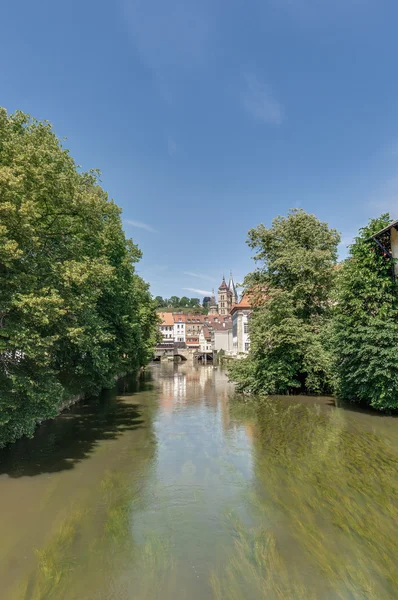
column 171, row 147
column 140, row 225
column 199, row 276
column 197, row 291
column 260, row 102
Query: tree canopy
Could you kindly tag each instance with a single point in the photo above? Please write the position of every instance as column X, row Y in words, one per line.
column 73, row 312
column 291, row 290
column 177, row 303
column 365, row 330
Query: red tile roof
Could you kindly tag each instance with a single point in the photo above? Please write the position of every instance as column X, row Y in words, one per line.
column 167, row 318
column 243, row 304
column 179, row 318
column 222, row 326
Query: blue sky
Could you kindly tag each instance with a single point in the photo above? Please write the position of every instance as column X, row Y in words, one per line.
column 209, row 117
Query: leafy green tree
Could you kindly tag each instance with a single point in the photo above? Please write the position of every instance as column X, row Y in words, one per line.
column 291, row 293
column 184, row 301
column 194, row 302
column 174, row 301
column 365, row 325
column 159, row 302
column 73, row 312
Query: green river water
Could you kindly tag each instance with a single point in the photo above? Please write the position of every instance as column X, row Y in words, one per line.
column 173, row 489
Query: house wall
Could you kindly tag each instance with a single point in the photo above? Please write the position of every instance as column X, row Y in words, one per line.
column 394, row 247
column 235, row 332
column 167, row 332
column 245, row 332
column 240, row 333
column 222, row 340
column 179, row 331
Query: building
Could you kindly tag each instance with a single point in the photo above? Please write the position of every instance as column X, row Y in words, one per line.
column 205, row 340
column 188, row 329
column 221, row 337
column 179, row 327
column 192, row 341
column 194, row 324
column 227, row 296
column 232, row 288
column 240, row 326
column 167, row 326
column 213, row 304
column 387, row 240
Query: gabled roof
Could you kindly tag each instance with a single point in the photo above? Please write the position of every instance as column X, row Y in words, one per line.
column 167, row 318
column 243, row 304
column 390, row 226
column 178, row 318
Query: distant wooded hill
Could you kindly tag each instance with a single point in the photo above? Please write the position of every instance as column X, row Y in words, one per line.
column 184, row 304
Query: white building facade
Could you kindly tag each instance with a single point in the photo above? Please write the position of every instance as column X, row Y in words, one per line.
column 205, row 340
column 167, row 327
column 179, row 328
column 240, row 327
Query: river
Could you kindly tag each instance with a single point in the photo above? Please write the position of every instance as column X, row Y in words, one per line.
column 172, row 488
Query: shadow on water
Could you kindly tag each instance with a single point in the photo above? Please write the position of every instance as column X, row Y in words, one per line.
column 60, row 444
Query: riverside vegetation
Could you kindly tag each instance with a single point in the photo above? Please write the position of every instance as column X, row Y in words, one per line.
column 319, row 326
column 73, row 312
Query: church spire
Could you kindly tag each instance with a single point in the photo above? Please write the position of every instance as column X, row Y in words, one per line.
column 232, row 288
column 223, row 284
column 213, row 304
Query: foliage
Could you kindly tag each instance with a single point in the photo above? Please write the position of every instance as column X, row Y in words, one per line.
column 184, row 304
column 176, row 302
column 206, row 302
column 291, row 293
column 73, row 312
column 365, row 328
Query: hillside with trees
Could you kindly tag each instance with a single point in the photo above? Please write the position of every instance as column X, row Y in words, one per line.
column 184, row 304
column 74, row 314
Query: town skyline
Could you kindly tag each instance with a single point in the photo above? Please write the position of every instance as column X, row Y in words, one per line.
column 199, row 291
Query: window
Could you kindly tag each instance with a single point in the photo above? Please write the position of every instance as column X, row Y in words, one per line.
column 247, row 347
column 246, row 327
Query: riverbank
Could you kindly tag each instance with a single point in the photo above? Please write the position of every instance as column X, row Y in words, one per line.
column 71, row 400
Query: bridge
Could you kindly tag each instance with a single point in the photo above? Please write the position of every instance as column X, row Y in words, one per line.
column 179, row 351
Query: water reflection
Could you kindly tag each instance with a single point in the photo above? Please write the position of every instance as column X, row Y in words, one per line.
column 60, row 444
column 180, row 489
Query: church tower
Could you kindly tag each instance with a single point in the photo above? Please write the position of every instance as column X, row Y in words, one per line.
column 232, row 289
column 213, row 304
column 224, row 298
